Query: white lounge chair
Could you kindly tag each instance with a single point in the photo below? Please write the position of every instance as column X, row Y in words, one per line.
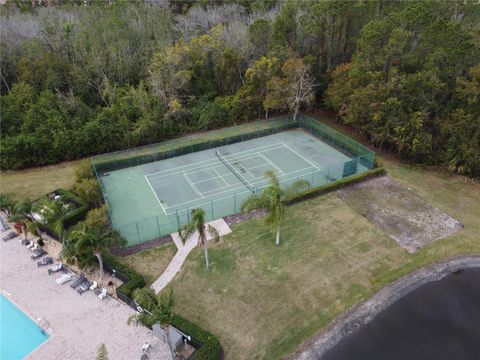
column 103, row 294
column 30, row 244
column 65, row 278
column 94, row 286
column 34, row 247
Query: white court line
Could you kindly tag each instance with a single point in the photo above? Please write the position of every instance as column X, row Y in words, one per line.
column 220, row 176
column 151, row 187
column 315, row 166
column 214, row 159
column 192, row 184
column 271, row 162
column 206, row 166
column 229, row 174
column 259, row 181
column 208, row 202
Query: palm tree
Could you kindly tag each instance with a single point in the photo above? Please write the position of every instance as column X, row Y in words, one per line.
column 156, row 309
column 197, row 224
column 86, row 241
column 273, row 199
column 19, row 213
column 102, row 353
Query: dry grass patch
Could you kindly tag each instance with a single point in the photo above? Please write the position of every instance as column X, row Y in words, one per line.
column 399, row 212
column 35, row 182
column 151, row 263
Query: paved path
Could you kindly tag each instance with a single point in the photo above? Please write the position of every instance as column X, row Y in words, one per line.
column 78, row 323
column 183, row 250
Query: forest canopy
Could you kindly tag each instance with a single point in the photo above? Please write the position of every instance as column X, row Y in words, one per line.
column 81, row 78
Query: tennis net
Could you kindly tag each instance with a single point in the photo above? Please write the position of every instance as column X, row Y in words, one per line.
column 247, row 183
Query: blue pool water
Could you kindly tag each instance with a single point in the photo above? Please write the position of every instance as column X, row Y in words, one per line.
column 19, row 335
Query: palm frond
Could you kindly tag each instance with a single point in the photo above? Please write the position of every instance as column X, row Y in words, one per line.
column 186, row 231
column 196, row 224
column 255, row 202
column 295, row 188
column 213, row 232
column 146, row 298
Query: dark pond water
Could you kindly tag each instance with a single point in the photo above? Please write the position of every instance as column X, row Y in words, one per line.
column 439, row 321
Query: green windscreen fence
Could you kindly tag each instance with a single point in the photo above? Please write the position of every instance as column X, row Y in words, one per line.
column 146, row 202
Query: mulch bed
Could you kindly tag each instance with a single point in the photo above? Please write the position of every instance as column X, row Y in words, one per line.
column 241, row 217
column 140, row 247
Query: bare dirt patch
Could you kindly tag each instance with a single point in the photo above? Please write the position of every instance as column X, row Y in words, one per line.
column 399, row 212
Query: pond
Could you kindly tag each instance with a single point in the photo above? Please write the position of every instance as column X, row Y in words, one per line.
column 439, row 320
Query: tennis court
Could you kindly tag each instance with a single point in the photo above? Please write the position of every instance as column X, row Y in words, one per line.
column 224, row 174
column 155, row 198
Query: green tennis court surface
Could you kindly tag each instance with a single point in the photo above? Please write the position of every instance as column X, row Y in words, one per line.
column 153, row 199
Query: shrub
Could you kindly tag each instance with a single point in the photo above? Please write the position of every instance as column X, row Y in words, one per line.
column 133, row 280
column 335, row 185
column 97, row 220
column 74, row 216
column 69, row 219
column 84, row 170
column 211, row 348
column 40, row 242
column 89, row 191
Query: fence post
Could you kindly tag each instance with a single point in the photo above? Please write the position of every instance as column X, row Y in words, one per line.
column 138, row 232
column 234, row 203
column 188, row 215
column 211, row 205
column 158, row 226
column 311, row 184
column 178, row 219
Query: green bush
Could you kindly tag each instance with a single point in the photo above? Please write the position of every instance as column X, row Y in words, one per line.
column 84, row 170
column 307, row 194
column 76, row 215
column 40, row 242
column 135, row 280
column 211, row 348
column 89, row 191
column 70, row 196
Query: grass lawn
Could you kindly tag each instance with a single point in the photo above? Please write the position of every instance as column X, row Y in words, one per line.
column 35, row 182
column 263, row 301
column 151, row 262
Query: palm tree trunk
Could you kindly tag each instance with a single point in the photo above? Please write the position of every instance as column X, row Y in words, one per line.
column 277, row 239
column 98, row 254
column 24, row 230
column 205, row 247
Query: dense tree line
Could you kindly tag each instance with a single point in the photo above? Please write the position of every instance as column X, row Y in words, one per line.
column 81, row 78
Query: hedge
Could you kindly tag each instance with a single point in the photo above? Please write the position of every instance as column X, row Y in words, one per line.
column 210, row 349
column 133, row 280
column 76, row 215
column 307, row 194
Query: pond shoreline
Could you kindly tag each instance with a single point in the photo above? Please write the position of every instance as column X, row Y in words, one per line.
column 353, row 320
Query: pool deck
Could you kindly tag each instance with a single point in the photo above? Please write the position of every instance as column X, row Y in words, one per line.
column 79, row 324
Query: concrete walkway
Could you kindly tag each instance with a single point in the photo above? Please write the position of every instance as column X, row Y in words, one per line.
column 183, row 250
column 78, row 324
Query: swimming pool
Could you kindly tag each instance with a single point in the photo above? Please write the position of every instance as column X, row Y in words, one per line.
column 19, row 335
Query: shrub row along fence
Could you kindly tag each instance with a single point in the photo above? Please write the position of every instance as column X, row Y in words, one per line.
column 206, row 344
column 155, row 226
